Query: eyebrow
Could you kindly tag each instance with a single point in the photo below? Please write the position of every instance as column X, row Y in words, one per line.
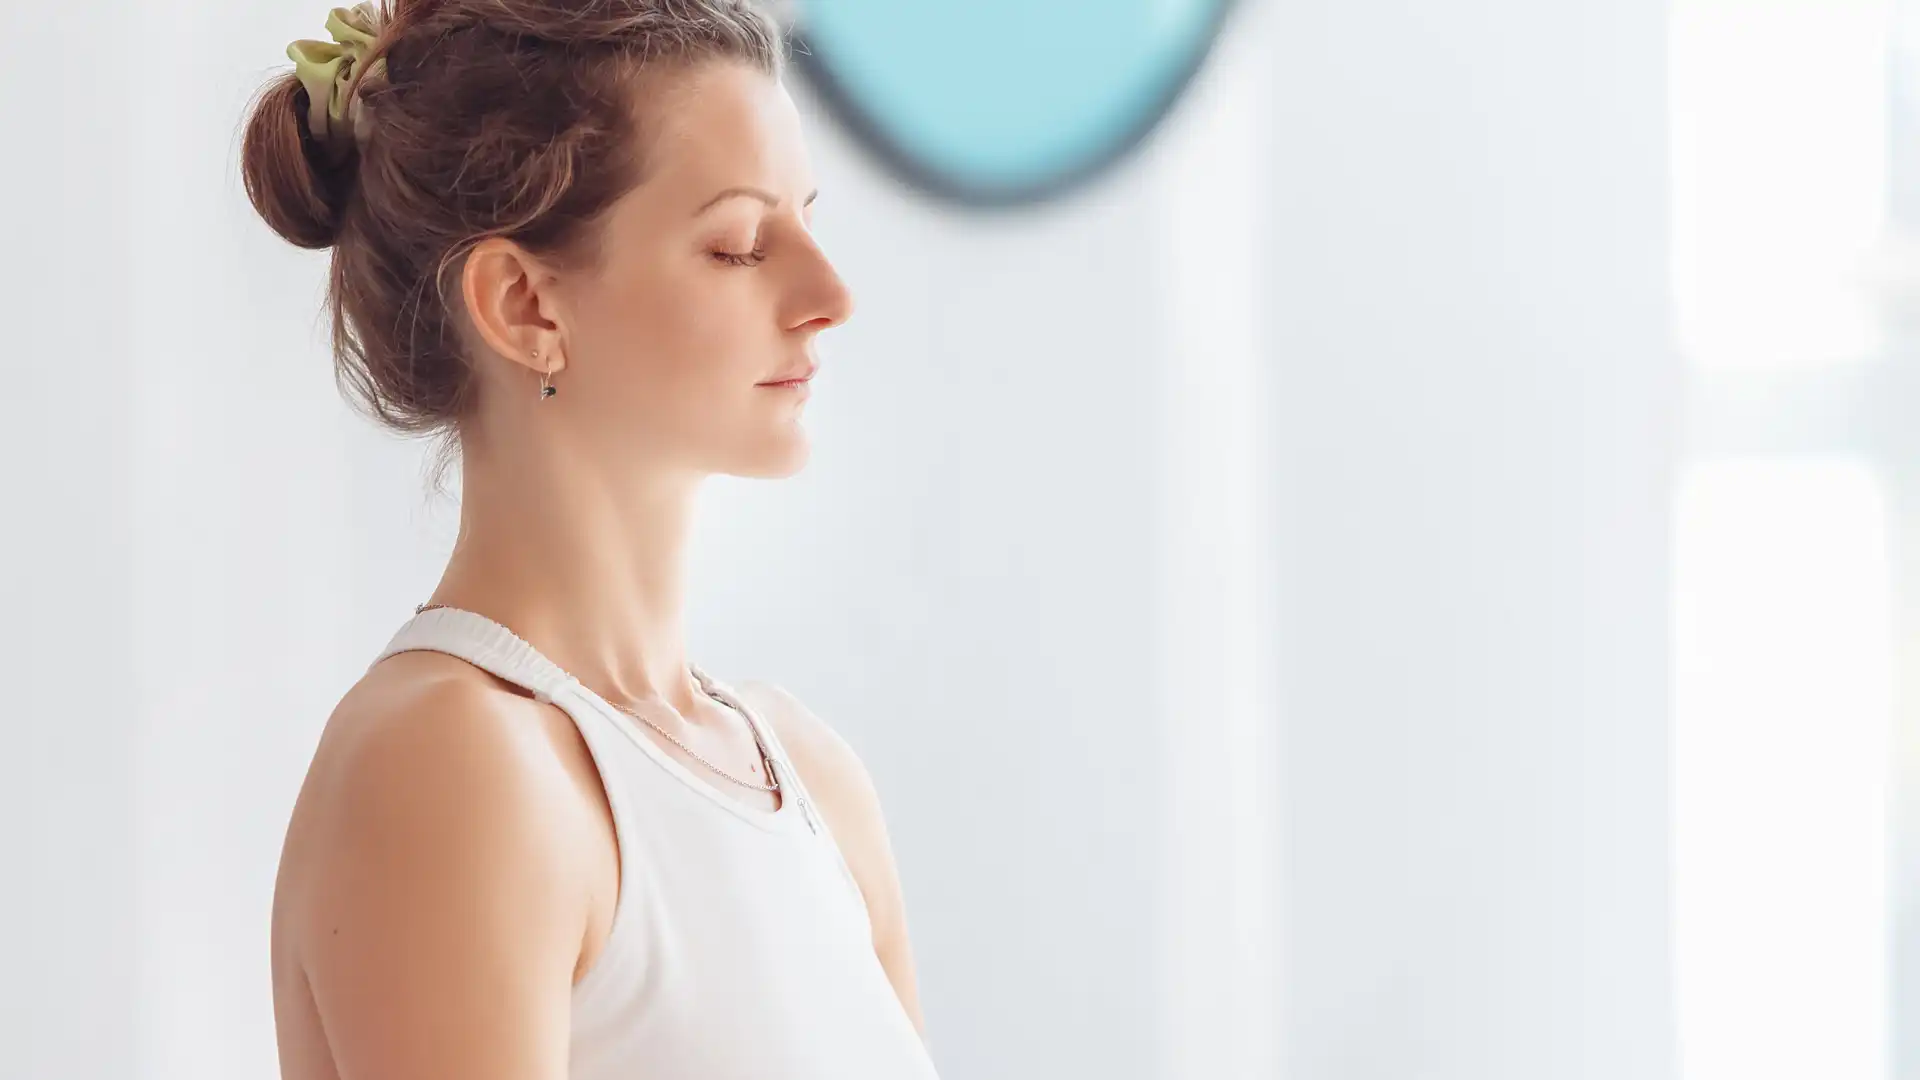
column 752, row 193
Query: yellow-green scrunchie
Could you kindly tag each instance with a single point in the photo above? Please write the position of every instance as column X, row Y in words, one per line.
column 330, row 70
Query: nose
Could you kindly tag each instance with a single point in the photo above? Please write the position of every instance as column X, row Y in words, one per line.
column 823, row 300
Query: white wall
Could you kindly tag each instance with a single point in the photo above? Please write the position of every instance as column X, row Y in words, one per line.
column 1472, row 432
column 1451, row 389
column 66, row 802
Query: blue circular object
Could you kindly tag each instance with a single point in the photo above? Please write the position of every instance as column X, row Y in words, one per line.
column 1001, row 102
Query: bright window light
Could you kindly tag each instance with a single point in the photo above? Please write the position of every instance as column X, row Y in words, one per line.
column 1782, row 763
column 1779, row 150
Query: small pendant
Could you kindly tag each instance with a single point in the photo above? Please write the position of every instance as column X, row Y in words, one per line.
column 548, row 391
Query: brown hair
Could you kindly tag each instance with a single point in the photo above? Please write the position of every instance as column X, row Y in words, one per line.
column 511, row 118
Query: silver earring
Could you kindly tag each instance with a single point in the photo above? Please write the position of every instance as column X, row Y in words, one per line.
column 546, row 384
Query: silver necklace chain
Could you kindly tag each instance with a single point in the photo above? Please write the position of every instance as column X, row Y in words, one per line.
column 724, row 774
column 766, row 761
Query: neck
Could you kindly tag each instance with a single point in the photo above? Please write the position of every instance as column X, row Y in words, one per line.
column 589, row 569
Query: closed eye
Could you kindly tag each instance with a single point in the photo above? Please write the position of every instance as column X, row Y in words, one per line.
column 750, row 258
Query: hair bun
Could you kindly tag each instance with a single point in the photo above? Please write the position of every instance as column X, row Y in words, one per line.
column 288, row 185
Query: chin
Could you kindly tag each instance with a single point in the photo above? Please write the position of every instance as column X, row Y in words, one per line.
column 777, row 464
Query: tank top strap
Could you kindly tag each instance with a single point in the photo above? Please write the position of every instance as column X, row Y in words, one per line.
column 788, row 774
column 483, row 643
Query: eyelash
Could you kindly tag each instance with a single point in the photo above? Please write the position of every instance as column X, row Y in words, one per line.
column 752, row 258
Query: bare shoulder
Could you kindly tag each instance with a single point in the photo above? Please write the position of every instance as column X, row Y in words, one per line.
column 847, row 798
column 825, row 759
column 838, row 780
column 414, row 702
column 425, row 739
column 429, row 890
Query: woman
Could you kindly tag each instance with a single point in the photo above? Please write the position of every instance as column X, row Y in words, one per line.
column 536, row 841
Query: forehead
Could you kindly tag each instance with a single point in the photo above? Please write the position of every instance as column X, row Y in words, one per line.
column 718, row 124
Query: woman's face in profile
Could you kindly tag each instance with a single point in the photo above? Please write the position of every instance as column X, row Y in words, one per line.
column 708, row 284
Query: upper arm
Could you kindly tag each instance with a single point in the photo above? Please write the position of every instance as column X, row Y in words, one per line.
column 438, row 919
column 847, row 798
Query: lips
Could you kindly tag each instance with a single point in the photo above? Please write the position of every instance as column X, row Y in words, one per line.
column 798, row 375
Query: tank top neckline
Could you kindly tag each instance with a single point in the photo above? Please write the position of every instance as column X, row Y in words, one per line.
column 506, row 654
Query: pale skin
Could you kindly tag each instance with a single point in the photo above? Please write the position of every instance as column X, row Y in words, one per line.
column 450, row 869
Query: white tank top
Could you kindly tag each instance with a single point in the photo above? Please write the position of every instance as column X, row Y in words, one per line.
column 740, row 947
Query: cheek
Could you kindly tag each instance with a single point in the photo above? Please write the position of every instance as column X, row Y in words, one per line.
column 665, row 332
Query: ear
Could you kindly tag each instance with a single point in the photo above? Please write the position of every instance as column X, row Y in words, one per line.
column 510, row 302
